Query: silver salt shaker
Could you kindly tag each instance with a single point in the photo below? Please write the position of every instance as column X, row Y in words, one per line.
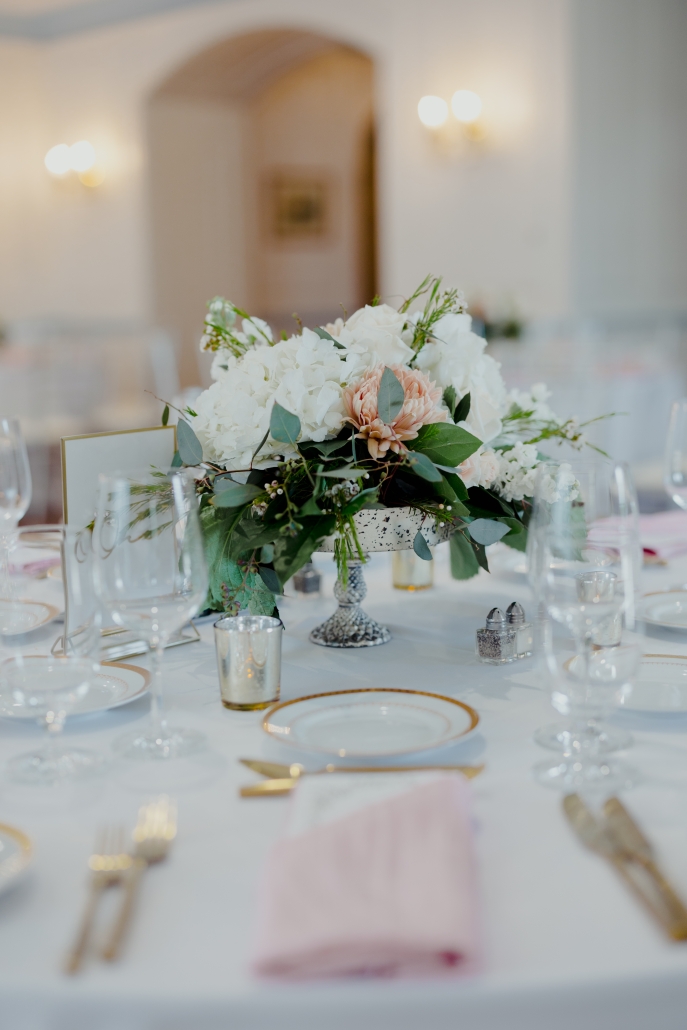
column 524, row 636
column 495, row 644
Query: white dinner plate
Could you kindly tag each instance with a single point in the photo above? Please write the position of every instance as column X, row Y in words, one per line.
column 15, row 855
column 660, row 685
column 667, row 608
column 370, row 723
column 22, row 616
column 117, row 684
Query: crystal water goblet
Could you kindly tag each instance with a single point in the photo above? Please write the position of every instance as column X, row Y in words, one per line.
column 51, row 686
column 15, row 497
column 151, row 577
column 584, row 568
column 675, row 465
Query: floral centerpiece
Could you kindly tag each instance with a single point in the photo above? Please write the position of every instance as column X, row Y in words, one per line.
column 384, row 409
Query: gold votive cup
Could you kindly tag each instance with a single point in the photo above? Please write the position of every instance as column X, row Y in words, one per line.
column 248, row 660
column 410, row 572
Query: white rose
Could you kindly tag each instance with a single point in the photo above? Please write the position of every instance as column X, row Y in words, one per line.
column 375, row 333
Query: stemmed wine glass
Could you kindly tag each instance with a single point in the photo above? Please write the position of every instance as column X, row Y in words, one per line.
column 675, row 468
column 584, row 565
column 15, row 497
column 51, row 686
column 151, row 577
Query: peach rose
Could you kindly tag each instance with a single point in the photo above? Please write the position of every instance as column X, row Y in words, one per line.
column 420, row 407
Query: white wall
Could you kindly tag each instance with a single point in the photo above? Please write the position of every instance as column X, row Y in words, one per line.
column 198, row 241
column 631, row 156
column 497, row 220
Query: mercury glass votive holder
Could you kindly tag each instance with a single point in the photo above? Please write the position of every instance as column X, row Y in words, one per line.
column 248, row 660
column 410, row 572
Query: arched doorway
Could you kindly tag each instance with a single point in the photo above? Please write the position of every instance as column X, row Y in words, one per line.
column 262, row 184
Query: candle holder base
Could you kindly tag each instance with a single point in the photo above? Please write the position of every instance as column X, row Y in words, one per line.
column 350, row 626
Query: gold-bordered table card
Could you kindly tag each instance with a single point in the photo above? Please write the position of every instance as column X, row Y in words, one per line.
column 84, row 458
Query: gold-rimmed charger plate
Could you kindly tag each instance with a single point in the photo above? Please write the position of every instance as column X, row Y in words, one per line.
column 665, row 608
column 15, row 855
column 370, row 722
column 660, row 686
column 117, row 684
column 23, row 616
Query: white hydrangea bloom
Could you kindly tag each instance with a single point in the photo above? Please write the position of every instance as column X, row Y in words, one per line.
column 456, row 358
column 305, row 374
column 517, row 472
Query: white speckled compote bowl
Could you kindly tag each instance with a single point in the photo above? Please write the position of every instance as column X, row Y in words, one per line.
column 384, row 529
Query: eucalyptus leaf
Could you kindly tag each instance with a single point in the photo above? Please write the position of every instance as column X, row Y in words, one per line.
column 347, row 472
column 327, row 447
column 390, row 396
column 190, row 447
column 421, row 547
column 487, row 531
column 462, row 408
column 444, row 443
column 423, row 467
column 176, row 461
column 464, row 564
column 223, row 483
column 284, row 426
column 310, row 507
column 267, row 553
column 270, row 579
column 236, row 494
column 449, row 398
column 324, row 335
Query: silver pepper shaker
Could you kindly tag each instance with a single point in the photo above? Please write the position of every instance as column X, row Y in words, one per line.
column 495, row 644
column 307, row 580
column 524, row 636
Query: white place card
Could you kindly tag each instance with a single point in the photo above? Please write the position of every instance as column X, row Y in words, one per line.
column 85, row 457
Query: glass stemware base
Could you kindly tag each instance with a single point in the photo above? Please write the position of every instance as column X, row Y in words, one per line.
column 574, row 775
column 594, row 737
column 159, row 743
column 53, row 765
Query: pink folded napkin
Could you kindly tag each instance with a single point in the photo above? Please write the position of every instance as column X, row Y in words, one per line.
column 664, row 534
column 32, row 561
column 375, row 876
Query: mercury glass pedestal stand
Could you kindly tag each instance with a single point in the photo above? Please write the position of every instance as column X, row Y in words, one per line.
column 350, row 626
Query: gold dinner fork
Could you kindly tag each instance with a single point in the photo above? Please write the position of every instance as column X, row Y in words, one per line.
column 107, row 864
column 155, row 830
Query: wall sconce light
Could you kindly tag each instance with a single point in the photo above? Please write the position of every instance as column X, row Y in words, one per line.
column 79, row 159
column 432, row 111
column 467, row 110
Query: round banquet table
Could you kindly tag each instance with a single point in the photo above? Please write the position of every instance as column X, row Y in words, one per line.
column 566, row 946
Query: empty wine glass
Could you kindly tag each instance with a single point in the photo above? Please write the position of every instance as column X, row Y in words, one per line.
column 51, row 686
column 675, row 469
column 584, row 567
column 15, row 497
column 151, row 577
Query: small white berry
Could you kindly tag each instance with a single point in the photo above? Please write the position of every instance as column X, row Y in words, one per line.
column 448, row 507
column 280, row 491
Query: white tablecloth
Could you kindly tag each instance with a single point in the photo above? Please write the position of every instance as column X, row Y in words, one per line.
column 565, row 944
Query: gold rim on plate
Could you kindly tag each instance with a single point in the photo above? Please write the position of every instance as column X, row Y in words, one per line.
column 474, row 717
column 17, row 863
column 53, row 612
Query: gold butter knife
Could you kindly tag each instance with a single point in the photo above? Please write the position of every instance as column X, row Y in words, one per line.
column 637, row 846
column 597, row 836
column 283, row 778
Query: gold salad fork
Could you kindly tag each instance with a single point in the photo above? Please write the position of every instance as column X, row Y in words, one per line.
column 155, row 830
column 109, row 861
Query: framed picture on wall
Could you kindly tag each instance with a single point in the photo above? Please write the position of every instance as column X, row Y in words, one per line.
column 299, row 205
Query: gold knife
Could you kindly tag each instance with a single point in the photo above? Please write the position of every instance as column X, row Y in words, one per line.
column 597, row 836
column 283, row 778
column 637, row 846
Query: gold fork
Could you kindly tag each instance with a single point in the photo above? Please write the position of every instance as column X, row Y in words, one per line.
column 108, row 863
column 155, row 830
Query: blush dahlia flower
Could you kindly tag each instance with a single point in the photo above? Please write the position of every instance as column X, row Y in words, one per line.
column 420, row 407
